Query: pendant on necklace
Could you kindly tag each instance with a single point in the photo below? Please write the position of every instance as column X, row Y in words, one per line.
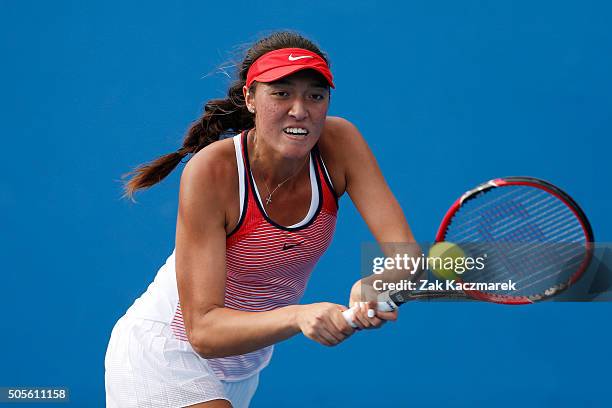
column 268, row 200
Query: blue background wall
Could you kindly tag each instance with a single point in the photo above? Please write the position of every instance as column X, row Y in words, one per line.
column 447, row 93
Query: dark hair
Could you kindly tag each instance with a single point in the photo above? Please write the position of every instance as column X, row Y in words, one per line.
column 220, row 115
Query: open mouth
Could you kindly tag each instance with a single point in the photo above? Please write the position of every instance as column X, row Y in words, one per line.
column 296, row 131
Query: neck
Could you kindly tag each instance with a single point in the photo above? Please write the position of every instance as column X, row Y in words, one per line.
column 271, row 166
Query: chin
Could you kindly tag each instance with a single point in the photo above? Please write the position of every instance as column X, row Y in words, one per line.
column 292, row 148
column 294, row 152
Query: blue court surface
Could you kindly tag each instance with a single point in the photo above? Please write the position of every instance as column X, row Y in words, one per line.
column 447, row 93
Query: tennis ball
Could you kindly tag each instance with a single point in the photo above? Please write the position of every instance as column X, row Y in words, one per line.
column 443, row 256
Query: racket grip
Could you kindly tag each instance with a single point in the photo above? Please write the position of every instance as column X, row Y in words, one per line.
column 349, row 314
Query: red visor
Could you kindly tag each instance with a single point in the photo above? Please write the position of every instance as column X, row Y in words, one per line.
column 278, row 64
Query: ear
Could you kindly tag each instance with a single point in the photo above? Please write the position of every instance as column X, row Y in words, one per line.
column 249, row 99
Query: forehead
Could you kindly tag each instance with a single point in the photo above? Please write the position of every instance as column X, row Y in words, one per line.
column 307, row 77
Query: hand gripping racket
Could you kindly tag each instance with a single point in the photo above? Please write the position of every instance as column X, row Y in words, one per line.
column 536, row 234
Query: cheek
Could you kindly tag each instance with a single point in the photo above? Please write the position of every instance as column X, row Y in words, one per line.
column 322, row 107
column 319, row 113
column 271, row 109
column 270, row 113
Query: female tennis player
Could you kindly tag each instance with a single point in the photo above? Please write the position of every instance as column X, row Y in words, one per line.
column 256, row 212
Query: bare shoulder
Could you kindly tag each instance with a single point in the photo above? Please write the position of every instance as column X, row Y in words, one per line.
column 339, row 132
column 339, row 128
column 215, row 160
column 209, row 179
column 339, row 144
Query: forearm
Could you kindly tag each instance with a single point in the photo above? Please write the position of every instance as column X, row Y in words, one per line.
column 223, row 332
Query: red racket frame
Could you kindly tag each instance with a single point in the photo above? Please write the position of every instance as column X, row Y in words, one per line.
column 537, row 183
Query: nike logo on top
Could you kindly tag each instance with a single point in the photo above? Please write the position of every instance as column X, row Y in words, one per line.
column 292, row 58
column 287, row 246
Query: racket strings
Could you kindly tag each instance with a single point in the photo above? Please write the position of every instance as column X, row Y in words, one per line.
column 530, row 237
column 549, row 209
column 529, row 216
column 531, row 274
column 468, row 209
column 550, row 221
column 530, row 268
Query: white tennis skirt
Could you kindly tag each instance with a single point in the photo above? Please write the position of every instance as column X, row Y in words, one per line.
column 146, row 367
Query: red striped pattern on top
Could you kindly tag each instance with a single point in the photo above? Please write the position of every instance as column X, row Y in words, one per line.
column 268, row 266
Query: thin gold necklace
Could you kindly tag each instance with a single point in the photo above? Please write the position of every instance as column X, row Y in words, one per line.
column 269, row 197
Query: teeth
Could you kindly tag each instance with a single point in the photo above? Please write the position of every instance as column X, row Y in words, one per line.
column 296, row 131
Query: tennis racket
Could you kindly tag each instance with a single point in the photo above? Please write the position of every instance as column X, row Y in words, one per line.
column 534, row 233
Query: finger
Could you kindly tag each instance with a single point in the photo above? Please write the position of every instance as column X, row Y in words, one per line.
column 322, row 340
column 328, row 336
column 376, row 322
column 361, row 314
column 387, row 315
column 319, row 338
column 341, row 325
column 329, row 330
column 336, row 326
column 372, row 312
column 356, row 320
column 372, row 308
column 314, row 335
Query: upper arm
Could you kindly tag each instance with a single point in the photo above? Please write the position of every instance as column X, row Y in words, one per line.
column 367, row 187
column 200, row 239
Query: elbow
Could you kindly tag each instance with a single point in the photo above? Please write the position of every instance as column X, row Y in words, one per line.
column 202, row 336
column 203, row 349
column 200, row 343
column 206, row 349
column 203, row 343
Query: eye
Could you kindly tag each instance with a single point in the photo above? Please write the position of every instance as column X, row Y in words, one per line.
column 282, row 94
column 317, row 96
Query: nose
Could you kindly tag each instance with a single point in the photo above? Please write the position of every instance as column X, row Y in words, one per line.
column 298, row 109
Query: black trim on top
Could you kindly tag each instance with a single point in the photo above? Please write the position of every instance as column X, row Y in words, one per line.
column 263, row 213
column 319, row 159
column 476, row 191
column 246, row 191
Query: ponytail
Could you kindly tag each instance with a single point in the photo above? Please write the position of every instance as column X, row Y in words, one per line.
column 220, row 115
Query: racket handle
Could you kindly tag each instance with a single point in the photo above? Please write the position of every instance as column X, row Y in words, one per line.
column 387, row 306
